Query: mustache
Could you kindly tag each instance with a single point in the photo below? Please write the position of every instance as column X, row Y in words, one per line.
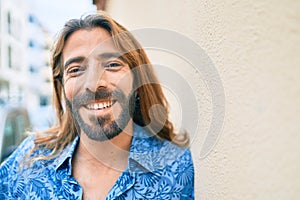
column 100, row 94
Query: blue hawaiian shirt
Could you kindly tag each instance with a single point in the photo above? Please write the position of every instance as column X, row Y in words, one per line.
column 156, row 170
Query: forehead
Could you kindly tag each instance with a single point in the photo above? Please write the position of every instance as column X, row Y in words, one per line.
column 84, row 42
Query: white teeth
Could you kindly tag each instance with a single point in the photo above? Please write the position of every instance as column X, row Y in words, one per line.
column 97, row 106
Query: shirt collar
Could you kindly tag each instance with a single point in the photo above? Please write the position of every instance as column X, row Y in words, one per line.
column 140, row 149
column 65, row 157
column 147, row 153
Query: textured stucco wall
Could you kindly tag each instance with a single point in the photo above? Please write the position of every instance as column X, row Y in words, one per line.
column 255, row 46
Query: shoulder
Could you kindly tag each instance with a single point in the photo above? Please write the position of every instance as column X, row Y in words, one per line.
column 21, row 159
column 169, row 170
column 20, row 153
column 155, row 153
column 21, row 177
column 10, row 168
column 177, row 171
column 175, row 158
column 170, row 152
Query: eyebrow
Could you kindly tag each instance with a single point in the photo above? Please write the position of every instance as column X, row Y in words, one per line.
column 109, row 55
column 74, row 60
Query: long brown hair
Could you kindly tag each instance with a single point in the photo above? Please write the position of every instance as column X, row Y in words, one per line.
column 149, row 93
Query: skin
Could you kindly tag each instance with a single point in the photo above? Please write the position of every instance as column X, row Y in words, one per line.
column 97, row 163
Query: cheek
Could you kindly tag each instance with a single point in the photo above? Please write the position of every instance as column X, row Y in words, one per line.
column 70, row 87
column 125, row 82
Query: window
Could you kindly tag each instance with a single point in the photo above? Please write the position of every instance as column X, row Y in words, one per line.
column 9, row 22
column 32, row 69
column 44, row 101
column 31, row 43
column 9, row 56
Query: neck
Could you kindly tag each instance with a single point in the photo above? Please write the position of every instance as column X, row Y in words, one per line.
column 110, row 154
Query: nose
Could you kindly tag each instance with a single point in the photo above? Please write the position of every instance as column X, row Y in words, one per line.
column 96, row 79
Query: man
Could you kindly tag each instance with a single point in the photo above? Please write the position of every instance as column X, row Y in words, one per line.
column 113, row 138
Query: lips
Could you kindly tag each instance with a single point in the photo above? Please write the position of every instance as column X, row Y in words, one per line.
column 100, row 105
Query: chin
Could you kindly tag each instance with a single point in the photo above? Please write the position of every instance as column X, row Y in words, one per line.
column 101, row 134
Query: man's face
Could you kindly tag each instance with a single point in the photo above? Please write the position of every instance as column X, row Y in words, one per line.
column 97, row 84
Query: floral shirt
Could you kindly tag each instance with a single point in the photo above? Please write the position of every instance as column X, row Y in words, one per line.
column 156, row 170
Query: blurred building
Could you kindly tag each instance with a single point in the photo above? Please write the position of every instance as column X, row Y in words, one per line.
column 24, row 69
column 38, row 68
column 13, row 47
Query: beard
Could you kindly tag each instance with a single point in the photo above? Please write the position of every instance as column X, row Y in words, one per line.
column 107, row 126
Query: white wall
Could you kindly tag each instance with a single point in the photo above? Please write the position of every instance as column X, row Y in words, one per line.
column 255, row 47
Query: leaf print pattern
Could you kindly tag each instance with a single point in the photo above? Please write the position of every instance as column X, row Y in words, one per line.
column 156, row 170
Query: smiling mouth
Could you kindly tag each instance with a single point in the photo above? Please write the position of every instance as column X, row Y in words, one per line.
column 100, row 105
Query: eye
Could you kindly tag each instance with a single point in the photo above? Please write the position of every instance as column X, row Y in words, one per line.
column 113, row 65
column 75, row 70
